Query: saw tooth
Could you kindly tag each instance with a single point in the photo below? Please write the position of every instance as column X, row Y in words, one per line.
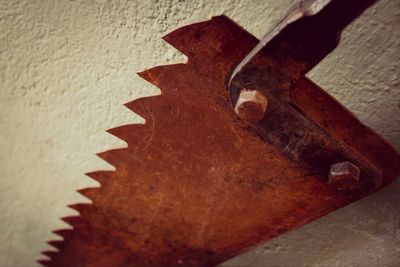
column 128, row 133
column 151, row 75
column 190, row 39
column 45, row 262
column 220, row 34
column 58, row 244
column 50, row 253
column 100, row 176
column 64, row 233
column 183, row 38
column 112, row 156
column 155, row 75
column 80, row 207
column 90, row 192
column 179, row 39
column 72, row 220
column 143, row 107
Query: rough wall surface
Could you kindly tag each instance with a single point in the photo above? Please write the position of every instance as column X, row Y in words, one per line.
column 68, row 66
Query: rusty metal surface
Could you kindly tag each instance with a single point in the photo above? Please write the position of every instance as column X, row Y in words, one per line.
column 195, row 186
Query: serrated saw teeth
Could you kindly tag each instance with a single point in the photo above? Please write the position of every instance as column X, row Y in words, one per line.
column 100, row 176
column 129, row 132
column 112, row 156
column 58, row 244
column 80, row 207
column 64, row 233
column 90, row 192
column 45, row 262
column 143, row 106
column 155, row 75
column 49, row 253
column 71, row 220
column 211, row 39
column 179, row 39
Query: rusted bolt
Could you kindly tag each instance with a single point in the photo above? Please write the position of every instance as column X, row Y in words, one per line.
column 344, row 176
column 251, row 106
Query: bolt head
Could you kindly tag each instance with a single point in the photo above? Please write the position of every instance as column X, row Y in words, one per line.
column 344, row 176
column 251, row 106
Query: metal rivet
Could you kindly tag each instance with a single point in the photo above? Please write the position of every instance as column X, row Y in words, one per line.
column 344, row 176
column 251, row 106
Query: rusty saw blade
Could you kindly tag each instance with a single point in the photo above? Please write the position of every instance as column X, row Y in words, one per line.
column 196, row 186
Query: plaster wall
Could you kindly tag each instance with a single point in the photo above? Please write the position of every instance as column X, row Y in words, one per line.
column 67, row 67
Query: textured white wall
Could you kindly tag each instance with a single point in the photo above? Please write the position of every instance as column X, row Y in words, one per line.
column 68, row 66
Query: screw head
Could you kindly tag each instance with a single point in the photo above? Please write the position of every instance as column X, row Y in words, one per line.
column 344, row 176
column 251, row 106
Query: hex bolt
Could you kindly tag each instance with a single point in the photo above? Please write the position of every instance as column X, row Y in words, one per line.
column 344, row 176
column 251, row 106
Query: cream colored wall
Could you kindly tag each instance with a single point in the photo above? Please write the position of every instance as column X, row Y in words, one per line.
column 68, row 66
